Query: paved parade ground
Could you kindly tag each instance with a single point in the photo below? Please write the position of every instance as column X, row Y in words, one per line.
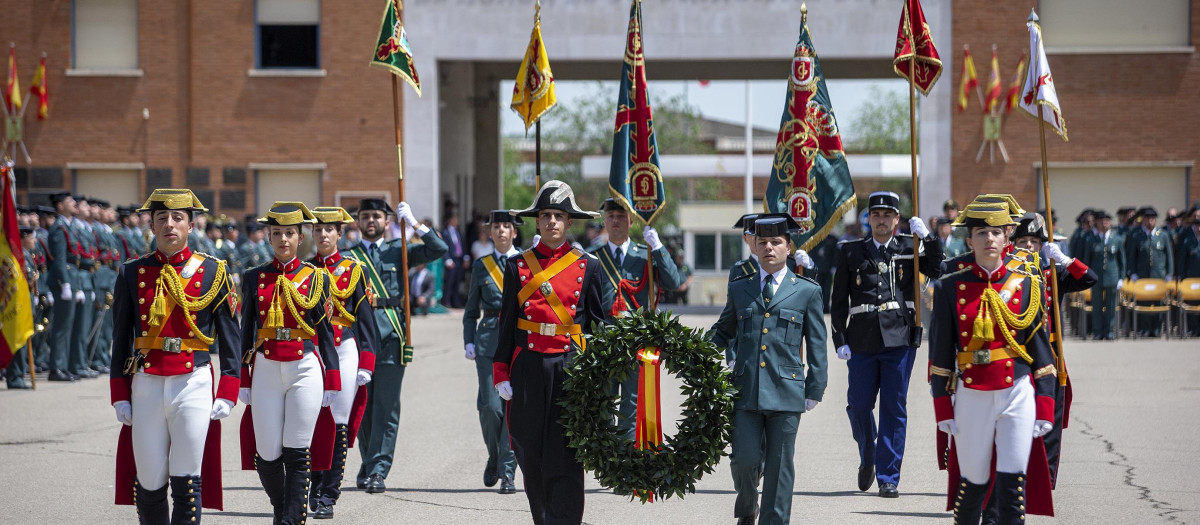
column 1130, row 452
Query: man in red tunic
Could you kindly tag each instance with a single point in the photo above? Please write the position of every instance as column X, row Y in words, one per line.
column 551, row 299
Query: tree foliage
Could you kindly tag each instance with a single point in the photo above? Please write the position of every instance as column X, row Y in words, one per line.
column 881, row 125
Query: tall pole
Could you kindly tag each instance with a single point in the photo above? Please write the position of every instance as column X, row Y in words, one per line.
column 912, row 143
column 537, row 155
column 749, row 182
column 403, row 229
column 1057, row 319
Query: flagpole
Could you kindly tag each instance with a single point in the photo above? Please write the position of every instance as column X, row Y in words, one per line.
column 537, row 156
column 403, row 230
column 1057, row 322
column 912, row 143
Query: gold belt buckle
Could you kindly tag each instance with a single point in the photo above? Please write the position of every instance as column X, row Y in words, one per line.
column 172, row 345
column 547, row 329
column 283, row 334
column 981, row 357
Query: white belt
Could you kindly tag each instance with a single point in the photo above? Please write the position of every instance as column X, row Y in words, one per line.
column 890, row 305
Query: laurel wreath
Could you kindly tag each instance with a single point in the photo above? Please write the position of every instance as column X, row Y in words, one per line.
column 700, row 438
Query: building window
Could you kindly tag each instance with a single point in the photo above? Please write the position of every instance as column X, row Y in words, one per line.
column 1081, row 25
column 117, row 186
column 104, row 34
column 288, row 33
column 713, row 251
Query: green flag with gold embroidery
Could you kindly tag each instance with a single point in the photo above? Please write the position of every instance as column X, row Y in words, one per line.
column 392, row 51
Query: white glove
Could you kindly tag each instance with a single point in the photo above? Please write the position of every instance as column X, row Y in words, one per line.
column 79, row 296
column 404, row 212
column 36, row 301
column 363, row 378
column 948, row 427
column 66, row 294
column 470, row 351
column 651, row 237
column 803, row 260
column 1120, row 284
column 49, row 300
column 328, row 397
column 1133, row 277
column 244, row 395
column 504, row 388
column 729, row 364
column 843, row 352
column 124, row 412
column 1041, row 427
column 536, row 239
column 220, row 409
column 917, row 227
column 1053, row 252
column 810, row 404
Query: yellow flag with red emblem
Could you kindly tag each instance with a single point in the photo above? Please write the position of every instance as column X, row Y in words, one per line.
column 533, row 94
column 16, row 319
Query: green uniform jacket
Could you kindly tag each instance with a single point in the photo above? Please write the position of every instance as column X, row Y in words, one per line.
column 252, row 254
column 1150, row 254
column 743, row 268
column 764, row 344
column 633, row 269
column 83, row 235
column 484, row 294
column 60, row 244
column 387, row 264
column 1106, row 258
column 1187, row 257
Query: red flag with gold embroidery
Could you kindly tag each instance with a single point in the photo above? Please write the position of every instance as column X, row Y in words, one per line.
column 916, row 57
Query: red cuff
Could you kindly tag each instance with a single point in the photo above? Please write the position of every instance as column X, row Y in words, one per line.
column 366, row 361
column 1077, row 268
column 333, row 380
column 499, row 373
column 227, row 388
column 119, row 389
column 1045, row 408
column 943, row 408
column 244, row 378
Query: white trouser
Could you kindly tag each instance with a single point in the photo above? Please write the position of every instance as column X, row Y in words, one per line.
column 348, row 365
column 1004, row 417
column 170, row 424
column 286, row 396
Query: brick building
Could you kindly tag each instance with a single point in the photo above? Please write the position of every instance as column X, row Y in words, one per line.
column 1128, row 79
column 245, row 101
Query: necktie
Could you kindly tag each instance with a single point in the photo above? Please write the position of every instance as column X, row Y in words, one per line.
column 371, row 247
column 617, row 256
column 768, row 290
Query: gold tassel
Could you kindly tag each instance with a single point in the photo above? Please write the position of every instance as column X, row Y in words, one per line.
column 274, row 314
column 984, row 329
column 158, row 309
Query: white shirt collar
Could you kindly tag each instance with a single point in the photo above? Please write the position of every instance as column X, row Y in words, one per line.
column 624, row 248
column 378, row 243
column 512, row 250
column 880, row 246
column 776, row 278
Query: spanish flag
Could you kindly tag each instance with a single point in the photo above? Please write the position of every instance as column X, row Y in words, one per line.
column 533, row 94
column 38, row 89
column 12, row 89
column 16, row 317
column 1013, row 97
column 969, row 80
column 991, row 101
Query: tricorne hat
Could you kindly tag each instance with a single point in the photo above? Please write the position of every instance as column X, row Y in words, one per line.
column 332, row 215
column 503, row 216
column 1007, row 200
column 374, row 204
column 172, row 199
column 746, row 223
column 984, row 214
column 1031, row 225
column 288, row 213
column 555, row 195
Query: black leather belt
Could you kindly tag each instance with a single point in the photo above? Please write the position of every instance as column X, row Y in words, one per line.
column 491, row 313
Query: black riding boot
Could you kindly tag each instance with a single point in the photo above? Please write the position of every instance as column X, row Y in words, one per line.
column 1010, row 498
column 297, row 466
column 152, row 507
column 327, row 485
column 991, row 510
column 270, row 473
column 185, row 496
column 968, row 506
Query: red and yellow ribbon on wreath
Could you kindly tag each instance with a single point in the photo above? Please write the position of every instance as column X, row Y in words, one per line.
column 648, row 430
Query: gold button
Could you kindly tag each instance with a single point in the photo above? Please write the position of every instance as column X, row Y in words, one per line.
column 962, row 317
column 147, row 365
column 764, row 347
column 337, row 339
column 964, row 334
column 1016, row 300
column 143, row 317
column 262, row 276
column 967, row 381
column 968, row 367
column 144, row 333
column 187, row 365
column 261, row 285
column 1009, row 364
column 266, row 352
column 764, row 330
column 261, row 298
column 1008, row 379
column 262, row 312
column 197, row 284
column 141, row 300
column 962, row 301
column 762, row 364
column 767, row 315
column 793, row 376
column 141, row 270
column 1020, row 489
column 199, row 270
column 299, row 352
column 141, row 285
column 191, row 333
column 962, row 287
column 961, row 266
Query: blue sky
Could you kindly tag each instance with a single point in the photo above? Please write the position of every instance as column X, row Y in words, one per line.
column 723, row 99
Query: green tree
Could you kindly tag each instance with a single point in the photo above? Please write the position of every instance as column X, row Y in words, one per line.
column 881, row 125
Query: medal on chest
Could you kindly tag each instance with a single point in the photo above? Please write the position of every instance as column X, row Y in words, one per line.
column 883, row 267
column 547, row 288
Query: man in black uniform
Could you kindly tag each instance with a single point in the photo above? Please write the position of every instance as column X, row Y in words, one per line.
column 874, row 328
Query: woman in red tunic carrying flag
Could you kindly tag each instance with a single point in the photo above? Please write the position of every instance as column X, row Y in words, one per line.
column 285, row 323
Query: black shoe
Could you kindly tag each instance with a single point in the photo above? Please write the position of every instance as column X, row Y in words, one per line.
column 507, row 486
column 101, row 369
column 361, row 483
column 18, row 384
column 489, row 475
column 86, row 374
column 746, row 520
column 59, row 375
column 866, row 476
column 323, row 512
column 375, row 484
column 888, row 490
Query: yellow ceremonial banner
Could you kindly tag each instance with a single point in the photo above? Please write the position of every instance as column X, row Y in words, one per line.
column 533, row 94
column 16, row 308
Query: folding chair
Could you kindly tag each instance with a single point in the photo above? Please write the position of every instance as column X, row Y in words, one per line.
column 1148, row 296
column 1187, row 302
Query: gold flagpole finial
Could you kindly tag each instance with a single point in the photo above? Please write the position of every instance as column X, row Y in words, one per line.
column 537, row 11
column 803, row 13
